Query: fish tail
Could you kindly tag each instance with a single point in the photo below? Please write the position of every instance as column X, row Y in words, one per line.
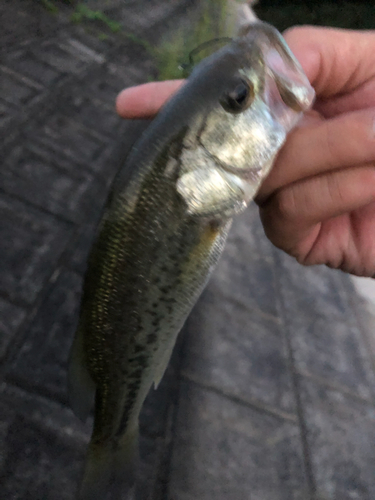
column 125, row 464
column 111, row 469
column 97, row 475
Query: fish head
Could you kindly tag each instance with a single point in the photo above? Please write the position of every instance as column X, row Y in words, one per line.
column 264, row 97
column 217, row 137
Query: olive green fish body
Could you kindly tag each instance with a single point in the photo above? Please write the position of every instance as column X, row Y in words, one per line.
column 200, row 162
column 149, row 266
column 146, row 271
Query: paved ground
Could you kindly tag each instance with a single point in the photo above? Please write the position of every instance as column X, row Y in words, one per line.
column 271, row 391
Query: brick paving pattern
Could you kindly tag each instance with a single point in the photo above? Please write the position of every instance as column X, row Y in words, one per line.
column 270, row 393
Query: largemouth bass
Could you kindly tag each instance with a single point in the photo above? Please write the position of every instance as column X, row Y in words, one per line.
column 199, row 163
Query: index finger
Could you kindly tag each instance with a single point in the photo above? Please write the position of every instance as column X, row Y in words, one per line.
column 144, row 101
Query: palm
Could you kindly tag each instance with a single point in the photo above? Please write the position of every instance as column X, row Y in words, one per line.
column 318, row 203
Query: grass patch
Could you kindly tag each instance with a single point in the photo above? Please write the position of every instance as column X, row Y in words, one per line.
column 83, row 13
column 214, row 21
column 50, row 6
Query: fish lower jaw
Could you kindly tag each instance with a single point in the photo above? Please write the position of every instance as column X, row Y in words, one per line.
column 249, row 177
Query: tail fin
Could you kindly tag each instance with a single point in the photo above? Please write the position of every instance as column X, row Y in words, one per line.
column 111, row 469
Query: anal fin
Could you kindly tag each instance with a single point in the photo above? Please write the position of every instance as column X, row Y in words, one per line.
column 162, row 366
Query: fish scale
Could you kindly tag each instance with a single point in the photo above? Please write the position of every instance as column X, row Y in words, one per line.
column 163, row 231
column 175, row 246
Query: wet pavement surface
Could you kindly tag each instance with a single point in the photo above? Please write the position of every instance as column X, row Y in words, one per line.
column 271, row 390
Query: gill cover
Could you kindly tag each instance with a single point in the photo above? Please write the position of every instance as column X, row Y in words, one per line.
column 263, row 93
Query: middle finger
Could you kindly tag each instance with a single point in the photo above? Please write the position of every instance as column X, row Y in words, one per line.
column 322, row 146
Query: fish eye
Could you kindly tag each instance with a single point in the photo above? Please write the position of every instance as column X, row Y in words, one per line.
column 239, row 98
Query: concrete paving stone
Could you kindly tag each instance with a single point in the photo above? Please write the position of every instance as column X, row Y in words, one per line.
column 323, row 292
column 138, row 19
column 340, row 433
column 80, row 247
column 113, row 157
column 125, row 56
column 31, row 243
column 50, row 182
column 155, row 413
column 360, row 292
column 42, row 448
column 16, row 89
column 64, row 134
column 92, row 37
column 104, row 153
column 248, row 231
column 24, row 62
column 246, row 275
column 235, row 349
column 6, row 115
column 62, row 57
column 144, row 71
column 22, row 22
column 109, row 83
column 93, row 113
column 325, row 340
column 55, row 469
column 11, row 317
column 224, row 450
column 41, row 362
column 148, row 449
column 78, row 49
column 153, row 470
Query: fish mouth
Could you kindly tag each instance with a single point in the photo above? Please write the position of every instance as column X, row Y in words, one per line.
column 248, row 180
column 250, row 173
column 215, row 160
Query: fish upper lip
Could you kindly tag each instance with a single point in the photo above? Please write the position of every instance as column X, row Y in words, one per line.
column 215, row 159
column 242, row 173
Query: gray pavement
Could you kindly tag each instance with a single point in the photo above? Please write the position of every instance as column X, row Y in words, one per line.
column 270, row 393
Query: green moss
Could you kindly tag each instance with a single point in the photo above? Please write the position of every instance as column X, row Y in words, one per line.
column 50, row 6
column 173, row 52
column 102, row 37
column 84, row 13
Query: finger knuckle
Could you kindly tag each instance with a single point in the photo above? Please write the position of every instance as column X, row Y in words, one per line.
column 285, row 205
column 332, row 152
column 335, row 191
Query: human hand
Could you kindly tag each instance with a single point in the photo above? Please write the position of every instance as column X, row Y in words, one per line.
column 318, row 203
